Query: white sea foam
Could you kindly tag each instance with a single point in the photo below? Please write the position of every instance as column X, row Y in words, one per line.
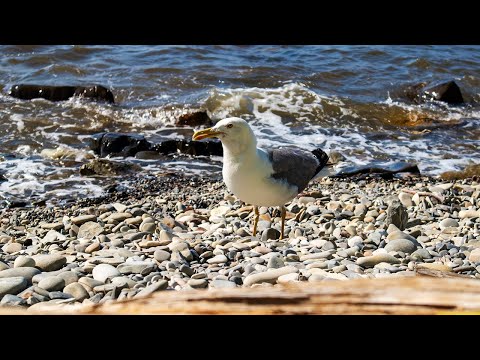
column 18, row 119
column 291, row 114
column 27, row 177
column 67, row 152
column 267, row 109
column 24, row 150
column 194, row 167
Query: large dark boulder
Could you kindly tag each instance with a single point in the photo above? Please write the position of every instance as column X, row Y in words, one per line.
column 448, row 92
column 166, row 147
column 410, row 92
column 118, row 144
column 60, row 93
column 200, row 148
column 18, row 203
column 195, row 148
column 96, row 92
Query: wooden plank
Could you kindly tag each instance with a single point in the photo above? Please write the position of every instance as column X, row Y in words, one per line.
column 400, row 295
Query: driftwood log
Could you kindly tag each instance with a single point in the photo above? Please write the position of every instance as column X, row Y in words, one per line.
column 432, row 292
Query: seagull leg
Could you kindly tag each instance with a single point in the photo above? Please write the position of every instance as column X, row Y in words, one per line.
column 255, row 222
column 284, row 212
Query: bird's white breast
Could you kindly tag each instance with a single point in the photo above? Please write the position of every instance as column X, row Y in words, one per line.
column 249, row 179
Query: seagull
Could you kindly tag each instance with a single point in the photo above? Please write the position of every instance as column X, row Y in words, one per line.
column 262, row 177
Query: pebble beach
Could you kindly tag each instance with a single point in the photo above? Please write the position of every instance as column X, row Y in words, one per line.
column 178, row 233
column 105, row 196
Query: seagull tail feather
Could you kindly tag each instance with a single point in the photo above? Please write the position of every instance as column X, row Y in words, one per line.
column 322, row 159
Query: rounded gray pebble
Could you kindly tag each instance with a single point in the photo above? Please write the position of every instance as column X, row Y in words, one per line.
column 161, row 255
column 23, row 261
column 403, row 245
column 52, row 283
column 12, row 285
column 77, row 291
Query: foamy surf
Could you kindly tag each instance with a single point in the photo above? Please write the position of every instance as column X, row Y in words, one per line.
column 274, row 112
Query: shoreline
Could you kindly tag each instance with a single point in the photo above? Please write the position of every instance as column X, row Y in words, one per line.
column 177, row 232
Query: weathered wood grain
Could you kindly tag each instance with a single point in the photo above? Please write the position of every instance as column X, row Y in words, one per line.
column 401, row 295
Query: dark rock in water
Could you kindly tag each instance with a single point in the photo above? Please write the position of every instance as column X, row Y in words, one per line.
column 52, row 93
column 194, row 119
column 40, row 202
column 166, row 147
column 60, row 93
column 108, row 167
column 385, row 171
column 16, row 203
column 118, row 144
column 411, row 92
column 149, row 155
column 471, row 171
column 448, row 92
column 96, row 92
column 397, row 215
column 2, row 177
column 195, row 148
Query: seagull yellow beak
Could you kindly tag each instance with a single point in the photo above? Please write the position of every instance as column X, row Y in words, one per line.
column 204, row 134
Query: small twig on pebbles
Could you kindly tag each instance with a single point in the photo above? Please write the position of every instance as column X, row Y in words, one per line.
column 299, row 214
column 424, row 193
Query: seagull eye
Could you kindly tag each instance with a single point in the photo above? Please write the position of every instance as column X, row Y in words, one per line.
column 229, row 126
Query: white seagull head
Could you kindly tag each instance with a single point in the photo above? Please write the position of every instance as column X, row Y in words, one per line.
column 235, row 134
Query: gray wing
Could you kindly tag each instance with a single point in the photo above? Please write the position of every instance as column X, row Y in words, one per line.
column 296, row 166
